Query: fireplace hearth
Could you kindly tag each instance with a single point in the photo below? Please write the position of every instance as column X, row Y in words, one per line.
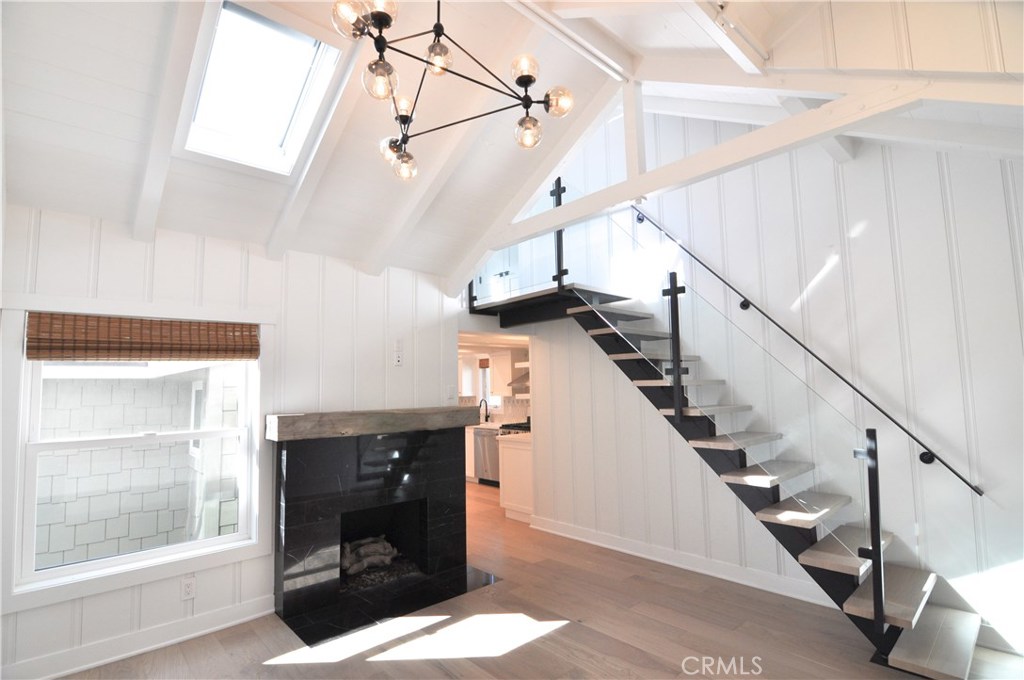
column 406, row 486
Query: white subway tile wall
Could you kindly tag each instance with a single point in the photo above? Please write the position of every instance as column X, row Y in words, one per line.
column 95, row 502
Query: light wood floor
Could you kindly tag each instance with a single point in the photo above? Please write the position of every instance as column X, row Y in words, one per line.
column 627, row 618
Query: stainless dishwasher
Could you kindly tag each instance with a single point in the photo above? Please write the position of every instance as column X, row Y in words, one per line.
column 485, row 455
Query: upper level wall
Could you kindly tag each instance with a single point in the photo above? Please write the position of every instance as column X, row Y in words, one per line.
column 327, row 335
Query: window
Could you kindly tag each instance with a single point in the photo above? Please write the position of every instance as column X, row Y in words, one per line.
column 126, row 458
column 262, row 88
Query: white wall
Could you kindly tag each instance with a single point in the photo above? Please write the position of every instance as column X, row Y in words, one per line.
column 922, row 310
column 327, row 332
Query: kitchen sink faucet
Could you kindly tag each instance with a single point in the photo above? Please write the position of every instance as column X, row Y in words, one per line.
column 487, row 412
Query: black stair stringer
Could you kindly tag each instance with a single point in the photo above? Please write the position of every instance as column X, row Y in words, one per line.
column 795, row 540
column 639, row 369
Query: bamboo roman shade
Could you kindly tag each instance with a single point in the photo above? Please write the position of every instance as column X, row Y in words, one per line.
column 81, row 337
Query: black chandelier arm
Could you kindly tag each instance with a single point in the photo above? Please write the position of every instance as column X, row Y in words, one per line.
column 410, row 37
column 477, row 62
column 515, row 96
column 415, row 100
column 465, row 120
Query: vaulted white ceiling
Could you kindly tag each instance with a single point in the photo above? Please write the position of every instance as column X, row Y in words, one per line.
column 96, row 96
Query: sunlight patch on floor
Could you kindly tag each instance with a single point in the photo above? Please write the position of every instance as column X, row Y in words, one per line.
column 482, row 635
column 356, row 642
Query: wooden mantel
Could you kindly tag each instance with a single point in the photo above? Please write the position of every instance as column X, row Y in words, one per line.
column 291, row 426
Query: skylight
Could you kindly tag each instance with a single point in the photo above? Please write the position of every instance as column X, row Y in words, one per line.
column 263, row 85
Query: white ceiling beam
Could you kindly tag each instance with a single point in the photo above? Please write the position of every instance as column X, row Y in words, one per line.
column 592, row 9
column 734, row 39
column 841, row 149
column 790, row 133
column 318, row 159
column 944, row 135
column 584, row 119
column 187, row 22
column 725, row 112
column 583, row 37
column 681, row 67
column 633, row 127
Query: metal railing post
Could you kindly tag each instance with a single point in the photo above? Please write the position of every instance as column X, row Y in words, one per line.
column 673, row 292
column 874, row 551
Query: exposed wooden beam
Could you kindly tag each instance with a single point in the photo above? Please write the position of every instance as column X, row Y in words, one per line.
column 726, row 112
column 585, row 118
column 945, row 135
column 735, row 40
column 841, row 149
column 318, row 159
column 591, row 9
column 790, row 133
column 180, row 56
column 633, row 123
column 583, row 37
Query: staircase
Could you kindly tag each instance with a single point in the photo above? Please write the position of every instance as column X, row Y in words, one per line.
column 925, row 639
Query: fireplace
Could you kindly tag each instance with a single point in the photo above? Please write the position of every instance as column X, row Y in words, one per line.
column 408, row 486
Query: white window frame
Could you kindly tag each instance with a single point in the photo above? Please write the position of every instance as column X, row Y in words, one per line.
column 28, row 579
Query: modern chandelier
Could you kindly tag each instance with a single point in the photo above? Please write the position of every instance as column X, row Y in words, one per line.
column 355, row 19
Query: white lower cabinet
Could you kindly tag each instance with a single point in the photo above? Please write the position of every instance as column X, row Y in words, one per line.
column 515, row 462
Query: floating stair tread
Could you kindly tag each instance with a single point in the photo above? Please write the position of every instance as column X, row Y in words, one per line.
column 805, row 511
column 734, row 441
column 941, row 645
column 650, row 356
column 906, row 591
column 767, row 474
column 608, row 312
column 838, row 551
column 685, row 382
column 711, row 410
column 632, row 333
column 991, row 664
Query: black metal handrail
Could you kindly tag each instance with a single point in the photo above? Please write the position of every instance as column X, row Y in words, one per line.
column 927, row 456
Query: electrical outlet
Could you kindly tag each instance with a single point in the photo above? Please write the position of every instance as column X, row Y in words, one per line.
column 188, row 587
column 399, row 359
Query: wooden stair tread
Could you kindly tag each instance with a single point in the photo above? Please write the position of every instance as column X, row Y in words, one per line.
column 767, row 474
column 710, row 410
column 608, row 312
column 632, row 333
column 685, row 382
column 991, row 664
column 941, row 645
column 805, row 511
column 734, row 441
column 650, row 356
column 906, row 591
column 838, row 551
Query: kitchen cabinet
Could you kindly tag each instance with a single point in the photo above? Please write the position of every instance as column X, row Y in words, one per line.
column 515, row 460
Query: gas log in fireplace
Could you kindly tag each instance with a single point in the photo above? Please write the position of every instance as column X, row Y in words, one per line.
column 348, row 478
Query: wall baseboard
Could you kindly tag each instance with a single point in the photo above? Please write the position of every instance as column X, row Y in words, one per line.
column 806, row 591
column 107, row 651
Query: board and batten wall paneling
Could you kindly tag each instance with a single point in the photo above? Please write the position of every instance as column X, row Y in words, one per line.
column 328, row 334
column 901, row 268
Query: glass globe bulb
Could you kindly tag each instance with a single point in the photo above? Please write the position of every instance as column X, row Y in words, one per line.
column 440, row 58
column 558, row 101
column 390, row 148
column 383, row 12
column 401, row 109
column 350, row 18
column 528, row 131
column 404, row 165
column 525, row 70
column 380, row 79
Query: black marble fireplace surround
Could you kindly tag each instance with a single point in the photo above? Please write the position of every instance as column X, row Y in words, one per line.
column 408, row 486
